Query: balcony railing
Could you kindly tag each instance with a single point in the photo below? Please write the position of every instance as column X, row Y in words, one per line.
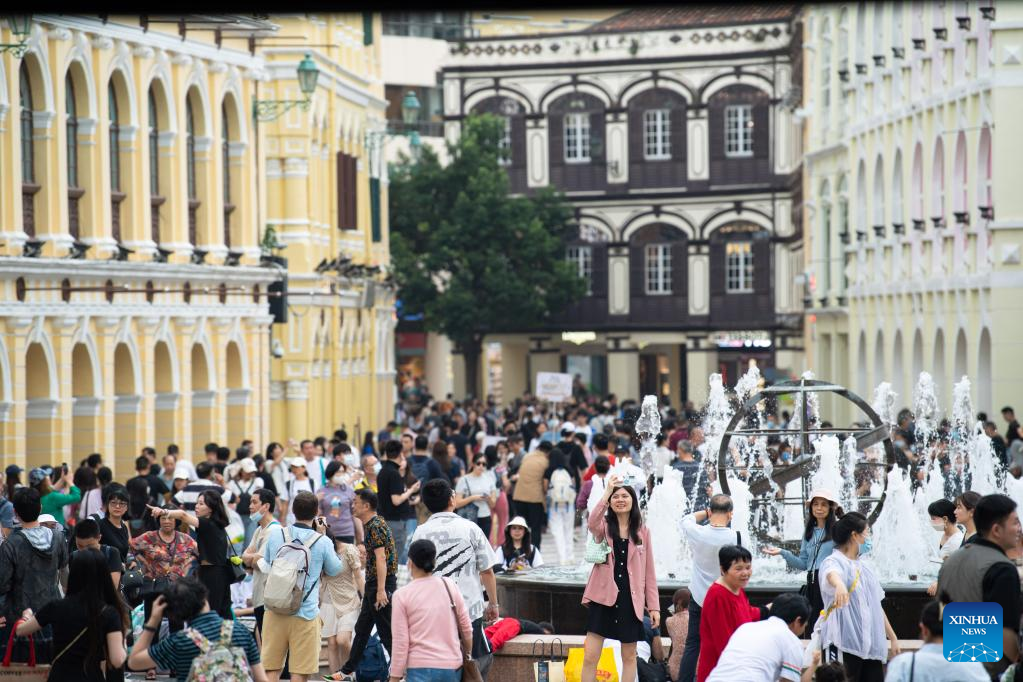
column 424, row 128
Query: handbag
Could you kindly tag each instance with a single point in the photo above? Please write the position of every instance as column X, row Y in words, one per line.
column 549, row 668
column 28, row 672
column 469, row 512
column 470, row 671
column 806, row 590
column 238, row 573
column 596, row 552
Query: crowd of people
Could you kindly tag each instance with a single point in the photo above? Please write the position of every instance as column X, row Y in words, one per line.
column 388, row 551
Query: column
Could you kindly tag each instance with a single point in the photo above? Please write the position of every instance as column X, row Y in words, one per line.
column 675, row 374
column 617, row 131
column 699, row 280
column 623, row 370
column 536, row 153
column 701, row 362
column 514, row 370
column 439, row 365
column 697, row 167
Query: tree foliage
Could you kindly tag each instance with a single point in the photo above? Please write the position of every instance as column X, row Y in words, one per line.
column 468, row 256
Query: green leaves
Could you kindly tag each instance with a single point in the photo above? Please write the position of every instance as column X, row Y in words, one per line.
column 469, row 257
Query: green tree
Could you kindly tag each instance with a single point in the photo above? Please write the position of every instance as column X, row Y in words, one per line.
column 468, row 256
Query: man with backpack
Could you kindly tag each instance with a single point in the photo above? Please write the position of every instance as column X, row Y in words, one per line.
column 297, row 556
column 209, row 648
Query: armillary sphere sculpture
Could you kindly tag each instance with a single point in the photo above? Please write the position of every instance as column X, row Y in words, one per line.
column 746, row 426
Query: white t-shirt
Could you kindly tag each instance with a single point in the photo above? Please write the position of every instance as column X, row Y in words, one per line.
column 954, row 543
column 764, row 651
column 293, row 488
column 463, row 552
column 930, row 665
column 317, row 469
column 485, row 484
column 704, row 542
column 537, row 558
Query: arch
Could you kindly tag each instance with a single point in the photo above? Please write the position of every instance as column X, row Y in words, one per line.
column 573, row 87
column 576, row 145
column 879, row 207
column 918, row 357
column 157, row 82
column 123, row 77
column 656, row 138
column 861, row 366
column 202, row 366
column 165, row 373
column 897, row 207
column 960, row 196
column 938, row 362
column 197, row 93
column 513, row 143
column 472, row 99
column 879, row 370
column 656, row 82
column 599, row 224
column 861, row 197
column 41, row 394
column 898, row 377
column 916, row 199
column 730, row 78
column 729, row 215
column 938, row 180
column 126, row 379
column 6, row 388
column 984, row 196
column 985, row 377
column 960, row 363
column 230, row 105
column 85, row 370
column 236, row 375
column 79, row 69
column 37, row 64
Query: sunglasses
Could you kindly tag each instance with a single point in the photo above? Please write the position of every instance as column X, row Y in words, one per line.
column 480, row 463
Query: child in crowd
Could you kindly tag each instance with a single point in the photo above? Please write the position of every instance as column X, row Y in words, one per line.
column 677, row 626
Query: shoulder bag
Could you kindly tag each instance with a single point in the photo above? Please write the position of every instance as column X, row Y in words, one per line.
column 470, row 671
column 469, row 512
column 806, row 589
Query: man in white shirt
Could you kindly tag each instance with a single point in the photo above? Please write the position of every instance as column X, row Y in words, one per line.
column 261, row 510
column 929, row 662
column 704, row 542
column 315, row 465
column 768, row 650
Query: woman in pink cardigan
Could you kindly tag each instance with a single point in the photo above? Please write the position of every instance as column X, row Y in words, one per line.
column 624, row 584
column 425, row 640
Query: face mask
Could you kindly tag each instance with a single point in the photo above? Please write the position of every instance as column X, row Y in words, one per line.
column 338, row 479
column 255, row 516
column 377, row 467
column 938, row 525
column 785, row 457
column 866, row 546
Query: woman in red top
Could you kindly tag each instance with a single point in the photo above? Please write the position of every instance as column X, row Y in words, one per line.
column 725, row 607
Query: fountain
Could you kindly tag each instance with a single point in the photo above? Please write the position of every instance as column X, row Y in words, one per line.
column 857, row 462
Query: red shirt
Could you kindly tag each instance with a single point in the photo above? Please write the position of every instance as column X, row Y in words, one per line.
column 593, row 467
column 722, row 614
column 676, row 437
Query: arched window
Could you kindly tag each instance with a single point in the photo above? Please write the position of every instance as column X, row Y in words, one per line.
column 960, row 197
column 739, row 135
column 225, row 160
column 116, row 196
column 843, row 227
column 984, row 198
column 74, row 192
column 576, row 142
column 940, row 36
column 938, row 184
column 657, row 139
column 877, row 35
column 898, row 215
column 824, row 281
column 861, row 37
column 861, row 201
column 879, row 212
column 513, row 143
column 825, row 79
column 916, row 198
column 193, row 197
column 156, row 199
column 29, row 188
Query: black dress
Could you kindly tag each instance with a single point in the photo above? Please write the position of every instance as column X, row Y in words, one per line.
column 618, row 621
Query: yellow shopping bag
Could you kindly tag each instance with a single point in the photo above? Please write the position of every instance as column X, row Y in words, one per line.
column 607, row 671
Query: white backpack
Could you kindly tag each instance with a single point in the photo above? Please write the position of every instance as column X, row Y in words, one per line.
column 285, row 584
column 562, row 488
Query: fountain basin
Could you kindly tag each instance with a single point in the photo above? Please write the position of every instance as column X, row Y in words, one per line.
column 540, row 596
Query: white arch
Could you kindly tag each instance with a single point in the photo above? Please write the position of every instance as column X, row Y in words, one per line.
column 197, row 79
column 122, row 62
column 163, row 335
column 555, row 92
column 733, row 216
column 727, row 80
column 879, row 204
column 984, row 167
column 960, row 191
column 879, row 373
column 898, row 369
column 241, row 135
column 984, row 374
column 898, row 209
column 960, row 362
column 125, row 336
column 37, row 335
column 664, row 218
column 83, row 335
column 661, row 84
column 81, row 52
column 861, row 196
column 938, row 179
column 37, row 49
column 211, row 368
column 158, row 71
column 243, row 356
column 485, row 94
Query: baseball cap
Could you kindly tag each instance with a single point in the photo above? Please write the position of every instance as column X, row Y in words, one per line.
column 36, row 476
column 46, row 518
column 181, row 471
column 248, row 465
column 567, row 426
column 13, row 470
column 296, row 462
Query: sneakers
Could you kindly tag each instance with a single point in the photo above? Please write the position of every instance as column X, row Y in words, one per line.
column 340, row 677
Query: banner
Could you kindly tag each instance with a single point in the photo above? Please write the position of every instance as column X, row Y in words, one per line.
column 553, row 386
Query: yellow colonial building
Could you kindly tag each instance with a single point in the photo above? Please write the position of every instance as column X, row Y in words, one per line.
column 138, row 185
column 915, row 223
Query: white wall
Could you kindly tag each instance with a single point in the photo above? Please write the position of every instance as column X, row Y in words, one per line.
column 413, row 61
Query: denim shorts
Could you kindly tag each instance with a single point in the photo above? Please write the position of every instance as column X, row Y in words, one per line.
column 433, row 675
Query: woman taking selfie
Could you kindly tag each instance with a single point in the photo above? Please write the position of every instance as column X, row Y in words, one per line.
column 620, row 587
column 210, row 520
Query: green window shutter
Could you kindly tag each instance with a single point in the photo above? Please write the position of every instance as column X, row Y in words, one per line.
column 374, row 207
column 367, row 28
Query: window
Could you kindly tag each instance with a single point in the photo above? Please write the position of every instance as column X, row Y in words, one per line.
column 656, row 135
column 347, row 191
column 825, row 82
column 577, row 138
column 739, row 267
column 154, row 148
column 28, row 166
column 367, row 28
column 115, row 141
column 504, row 144
column 582, row 257
column 374, row 209
column 225, row 161
column 72, row 133
column 739, row 130
column 190, row 149
column 658, row 269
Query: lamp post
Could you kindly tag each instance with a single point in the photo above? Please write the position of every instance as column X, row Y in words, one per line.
column 410, row 107
column 272, row 109
column 21, row 27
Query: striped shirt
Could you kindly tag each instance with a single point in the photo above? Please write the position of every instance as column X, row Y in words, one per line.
column 189, row 495
column 176, row 653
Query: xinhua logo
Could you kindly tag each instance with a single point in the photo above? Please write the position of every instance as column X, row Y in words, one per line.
column 972, row 632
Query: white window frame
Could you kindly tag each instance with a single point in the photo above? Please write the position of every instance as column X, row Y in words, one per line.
column 657, row 269
column 739, row 131
column 657, row 134
column 582, row 258
column 739, row 267
column 577, row 138
column 504, row 145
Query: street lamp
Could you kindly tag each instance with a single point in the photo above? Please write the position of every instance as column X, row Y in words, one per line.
column 21, row 27
column 410, row 107
column 272, row 109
